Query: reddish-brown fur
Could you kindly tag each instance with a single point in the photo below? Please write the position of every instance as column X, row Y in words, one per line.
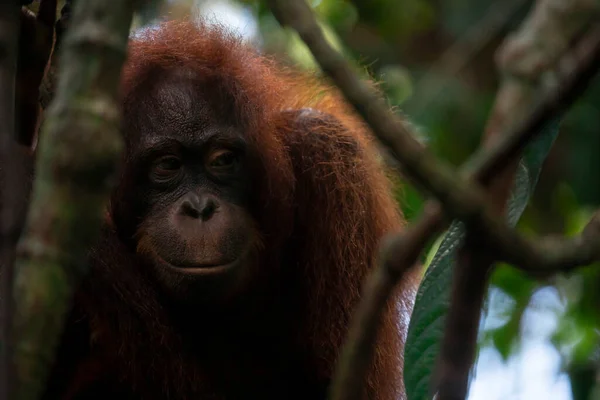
column 324, row 203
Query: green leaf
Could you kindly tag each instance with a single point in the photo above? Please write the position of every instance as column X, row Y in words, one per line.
column 432, row 301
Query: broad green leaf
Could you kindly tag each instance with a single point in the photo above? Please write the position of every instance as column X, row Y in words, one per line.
column 432, row 302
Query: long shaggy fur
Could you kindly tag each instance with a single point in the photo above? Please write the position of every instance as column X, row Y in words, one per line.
column 322, row 203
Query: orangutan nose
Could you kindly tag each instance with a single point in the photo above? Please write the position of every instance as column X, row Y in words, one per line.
column 199, row 206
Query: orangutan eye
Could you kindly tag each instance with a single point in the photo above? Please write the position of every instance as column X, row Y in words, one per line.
column 166, row 168
column 223, row 160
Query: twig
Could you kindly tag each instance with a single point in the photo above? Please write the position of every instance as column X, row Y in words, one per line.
column 551, row 255
column 78, row 153
column 10, row 223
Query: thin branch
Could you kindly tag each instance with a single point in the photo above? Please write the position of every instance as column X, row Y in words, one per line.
column 531, row 53
column 459, row 343
column 550, row 255
column 10, row 226
column 79, row 147
column 416, row 161
column 484, row 164
column 397, row 258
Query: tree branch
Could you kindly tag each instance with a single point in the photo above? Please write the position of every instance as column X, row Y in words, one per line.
column 392, row 132
column 459, row 344
column 78, row 152
column 550, row 255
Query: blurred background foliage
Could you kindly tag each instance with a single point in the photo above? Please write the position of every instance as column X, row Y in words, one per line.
column 434, row 59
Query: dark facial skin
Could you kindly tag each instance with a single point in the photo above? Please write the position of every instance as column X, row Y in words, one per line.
column 192, row 190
